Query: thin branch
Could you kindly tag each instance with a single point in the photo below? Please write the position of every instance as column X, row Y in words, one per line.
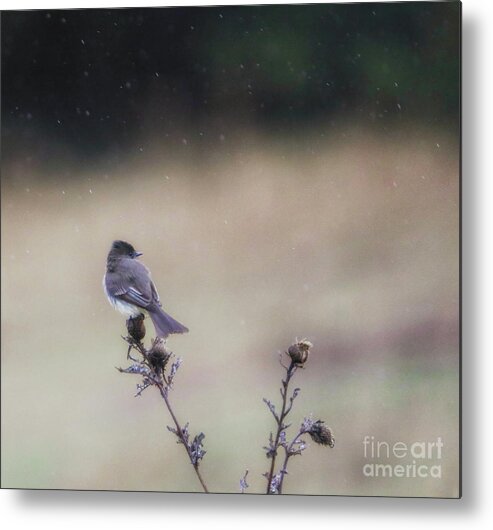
column 154, row 375
column 289, row 452
column 272, row 408
column 243, row 482
column 280, row 424
column 181, row 436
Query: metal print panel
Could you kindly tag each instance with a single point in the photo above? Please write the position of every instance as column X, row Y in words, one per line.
column 252, row 213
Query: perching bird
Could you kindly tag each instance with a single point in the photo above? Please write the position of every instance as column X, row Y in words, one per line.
column 129, row 288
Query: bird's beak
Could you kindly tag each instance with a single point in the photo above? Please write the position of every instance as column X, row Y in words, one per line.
column 137, row 254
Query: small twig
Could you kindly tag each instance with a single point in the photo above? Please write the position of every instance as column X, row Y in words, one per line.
column 243, row 483
column 318, row 431
column 272, row 408
column 179, row 432
column 280, row 423
column 289, row 452
column 153, row 374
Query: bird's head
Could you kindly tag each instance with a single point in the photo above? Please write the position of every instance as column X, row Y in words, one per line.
column 124, row 250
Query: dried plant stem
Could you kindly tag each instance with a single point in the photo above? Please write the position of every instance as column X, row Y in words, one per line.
column 289, row 453
column 280, row 424
column 155, row 375
column 317, row 430
column 164, row 394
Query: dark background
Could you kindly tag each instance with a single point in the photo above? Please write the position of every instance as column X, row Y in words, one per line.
column 92, row 82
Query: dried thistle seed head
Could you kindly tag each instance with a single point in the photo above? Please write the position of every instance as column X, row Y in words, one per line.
column 299, row 351
column 136, row 328
column 158, row 355
column 321, row 434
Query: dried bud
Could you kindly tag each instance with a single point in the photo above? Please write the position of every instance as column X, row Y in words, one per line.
column 321, row 434
column 243, row 482
column 197, row 449
column 136, row 328
column 299, row 351
column 158, row 355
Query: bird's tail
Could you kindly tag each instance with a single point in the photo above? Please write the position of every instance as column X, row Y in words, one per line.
column 164, row 324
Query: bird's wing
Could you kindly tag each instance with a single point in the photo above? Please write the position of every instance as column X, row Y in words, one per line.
column 155, row 294
column 132, row 284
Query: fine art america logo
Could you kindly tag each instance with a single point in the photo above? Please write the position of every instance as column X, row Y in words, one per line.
column 401, row 459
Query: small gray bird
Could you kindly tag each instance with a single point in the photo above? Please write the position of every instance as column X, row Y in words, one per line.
column 129, row 288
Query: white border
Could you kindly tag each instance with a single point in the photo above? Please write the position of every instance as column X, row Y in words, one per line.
column 122, row 511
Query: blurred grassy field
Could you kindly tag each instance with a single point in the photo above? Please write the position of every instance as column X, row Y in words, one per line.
column 351, row 241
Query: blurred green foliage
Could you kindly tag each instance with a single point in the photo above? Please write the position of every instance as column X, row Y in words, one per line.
column 96, row 79
column 327, row 58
